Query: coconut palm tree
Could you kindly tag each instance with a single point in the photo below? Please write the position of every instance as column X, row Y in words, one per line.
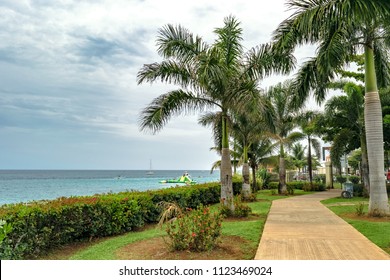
column 283, row 122
column 341, row 29
column 218, row 76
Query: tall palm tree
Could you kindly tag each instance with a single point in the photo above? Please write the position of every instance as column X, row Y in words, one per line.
column 342, row 28
column 248, row 127
column 218, row 76
column 307, row 121
column 348, row 111
column 283, row 122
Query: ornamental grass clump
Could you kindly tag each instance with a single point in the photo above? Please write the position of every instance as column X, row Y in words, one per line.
column 194, row 230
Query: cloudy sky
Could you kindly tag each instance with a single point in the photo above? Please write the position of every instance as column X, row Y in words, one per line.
column 68, row 92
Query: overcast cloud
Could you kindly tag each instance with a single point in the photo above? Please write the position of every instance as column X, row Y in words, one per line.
column 68, row 92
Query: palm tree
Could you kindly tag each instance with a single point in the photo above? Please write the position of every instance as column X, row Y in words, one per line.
column 342, row 28
column 213, row 76
column 348, row 111
column 259, row 155
column 298, row 156
column 307, row 121
column 283, row 122
column 248, row 127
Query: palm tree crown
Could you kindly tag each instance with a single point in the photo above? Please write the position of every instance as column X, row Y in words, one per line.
column 218, row 76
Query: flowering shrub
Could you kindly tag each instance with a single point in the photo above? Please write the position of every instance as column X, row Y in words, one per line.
column 196, row 230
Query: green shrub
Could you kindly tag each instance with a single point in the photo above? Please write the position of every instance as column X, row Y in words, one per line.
column 341, row 179
column 264, row 178
column 240, row 209
column 320, row 178
column 354, row 179
column 197, row 230
column 359, row 209
column 273, row 185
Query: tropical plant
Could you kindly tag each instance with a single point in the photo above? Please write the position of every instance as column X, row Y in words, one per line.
column 259, row 156
column 213, row 76
column 248, row 126
column 351, row 131
column 307, row 122
column 283, row 122
column 298, row 156
column 341, row 29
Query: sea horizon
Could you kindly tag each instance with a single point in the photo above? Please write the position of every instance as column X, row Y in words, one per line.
column 26, row 185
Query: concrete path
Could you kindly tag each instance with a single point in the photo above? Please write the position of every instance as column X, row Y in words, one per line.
column 301, row 228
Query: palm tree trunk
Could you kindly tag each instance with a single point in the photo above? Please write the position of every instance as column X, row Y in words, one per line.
column 282, row 172
column 364, row 167
column 378, row 204
column 309, row 163
column 226, row 169
column 254, row 180
column 246, row 188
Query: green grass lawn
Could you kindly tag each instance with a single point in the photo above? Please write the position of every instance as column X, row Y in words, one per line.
column 375, row 229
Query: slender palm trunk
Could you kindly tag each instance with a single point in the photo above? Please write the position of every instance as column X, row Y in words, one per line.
column 246, row 188
column 378, row 204
column 254, row 180
column 282, row 172
column 226, row 169
column 309, row 163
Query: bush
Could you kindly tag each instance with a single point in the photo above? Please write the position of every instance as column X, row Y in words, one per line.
column 240, row 209
column 341, row 179
column 42, row 225
column 354, row 179
column 197, row 230
column 320, row 178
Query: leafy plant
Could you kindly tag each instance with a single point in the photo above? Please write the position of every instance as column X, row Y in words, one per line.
column 360, row 209
column 240, row 209
column 354, row 179
column 341, row 179
column 196, row 230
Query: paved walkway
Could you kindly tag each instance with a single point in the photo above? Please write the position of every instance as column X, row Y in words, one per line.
column 301, row 228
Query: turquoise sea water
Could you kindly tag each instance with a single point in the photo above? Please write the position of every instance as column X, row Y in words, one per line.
column 28, row 185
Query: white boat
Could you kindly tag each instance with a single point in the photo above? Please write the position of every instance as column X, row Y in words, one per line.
column 150, row 172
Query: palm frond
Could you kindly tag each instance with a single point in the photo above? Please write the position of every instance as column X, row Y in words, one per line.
column 317, row 146
column 382, row 64
column 214, row 121
column 167, row 71
column 266, row 59
column 229, row 40
column 162, row 108
column 178, row 42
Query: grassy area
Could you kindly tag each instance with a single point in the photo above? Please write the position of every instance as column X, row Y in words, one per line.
column 246, row 231
column 374, row 228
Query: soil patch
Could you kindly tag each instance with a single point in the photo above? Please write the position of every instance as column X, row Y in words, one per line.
column 365, row 217
column 229, row 248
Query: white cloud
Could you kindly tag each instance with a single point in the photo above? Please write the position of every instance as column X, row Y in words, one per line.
column 68, row 77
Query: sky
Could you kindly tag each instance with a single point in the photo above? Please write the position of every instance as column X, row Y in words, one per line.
column 68, row 92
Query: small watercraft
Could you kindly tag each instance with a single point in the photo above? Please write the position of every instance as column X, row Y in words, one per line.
column 185, row 179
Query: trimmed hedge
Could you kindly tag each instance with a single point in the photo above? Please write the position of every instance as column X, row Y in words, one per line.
column 300, row 185
column 42, row 225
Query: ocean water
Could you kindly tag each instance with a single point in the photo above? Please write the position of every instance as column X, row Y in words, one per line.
column 28, row 185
